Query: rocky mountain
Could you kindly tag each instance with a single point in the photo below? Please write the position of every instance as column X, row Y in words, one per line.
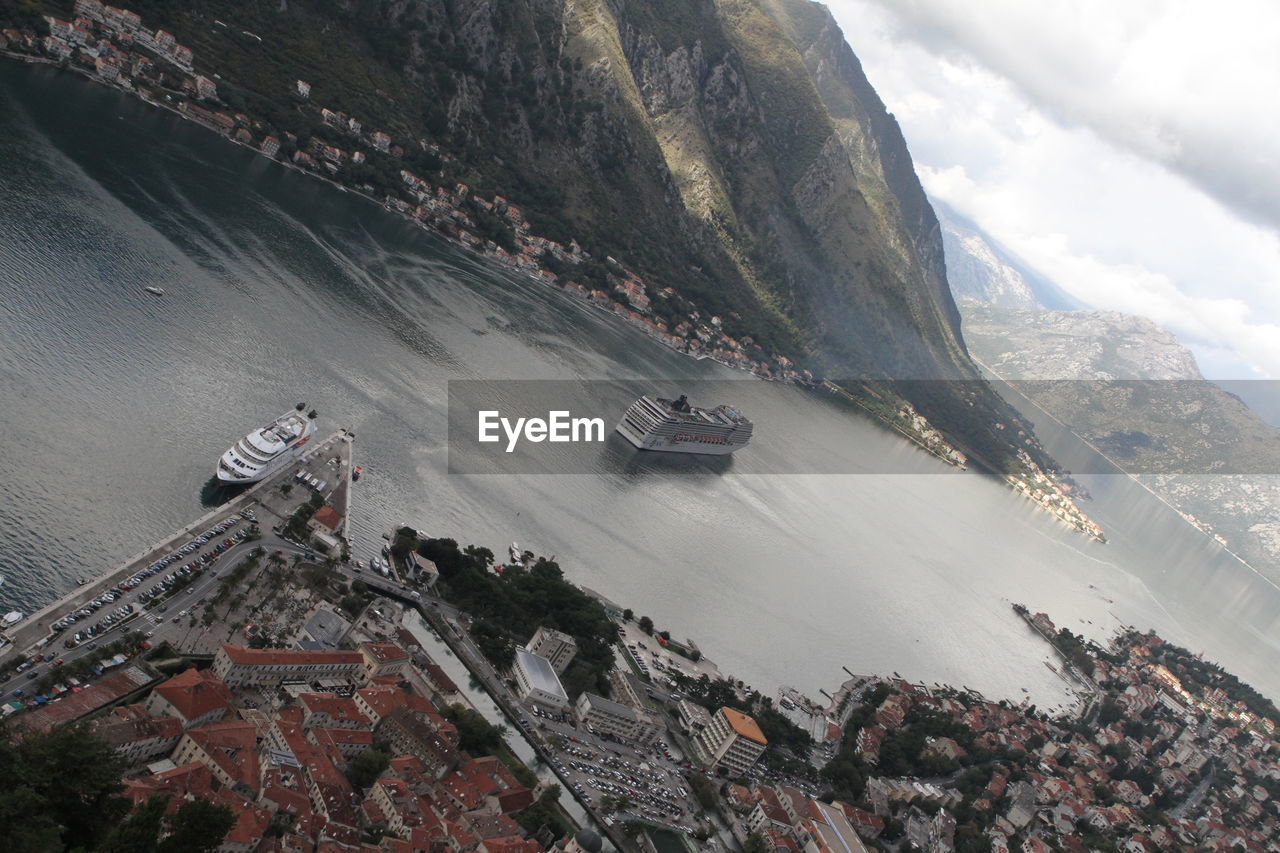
column 731, row 153
column 1133, row 391
column 979, row 268
column 1035, row 343
column 976, row 271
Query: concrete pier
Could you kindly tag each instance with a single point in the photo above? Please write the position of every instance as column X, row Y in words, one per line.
column 264, row 498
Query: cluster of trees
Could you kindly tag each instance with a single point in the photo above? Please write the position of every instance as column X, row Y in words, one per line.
column 510, row 607
column 368, row 766
column 296, row 527
column 544, row 815
column 476, row 735
column 1074, row 648
column 902, row 753
column 62, row 789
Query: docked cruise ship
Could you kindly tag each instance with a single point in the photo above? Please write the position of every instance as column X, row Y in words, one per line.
column 265, row 451
column 674, row 426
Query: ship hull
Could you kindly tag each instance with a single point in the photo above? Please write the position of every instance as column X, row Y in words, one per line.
column 271, row 468
column 238, row 466
column 662, row 444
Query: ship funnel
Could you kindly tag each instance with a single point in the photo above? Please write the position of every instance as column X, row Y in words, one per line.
column 301, row 406
column 313, row 414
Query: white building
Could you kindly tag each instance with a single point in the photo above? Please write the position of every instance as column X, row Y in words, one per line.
column 622, row 722
column 238, row 666
column 693, row 716
column 536, row 682
column 555, row 646
column 732, row 742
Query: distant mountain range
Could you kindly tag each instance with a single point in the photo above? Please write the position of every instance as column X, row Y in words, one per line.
column 980, row 269
column 1190, row 441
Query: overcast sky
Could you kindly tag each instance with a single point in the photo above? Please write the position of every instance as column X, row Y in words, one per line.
column 1128, row 151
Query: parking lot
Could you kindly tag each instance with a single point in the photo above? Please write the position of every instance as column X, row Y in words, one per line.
column 650, row 778
column 122, row 606
column 202, row 552
column 658, row 663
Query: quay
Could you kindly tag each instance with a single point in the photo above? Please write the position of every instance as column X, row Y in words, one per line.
column 266, row 497
column 1068, row 672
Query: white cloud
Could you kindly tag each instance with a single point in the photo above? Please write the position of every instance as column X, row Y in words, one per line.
column 1119, row 150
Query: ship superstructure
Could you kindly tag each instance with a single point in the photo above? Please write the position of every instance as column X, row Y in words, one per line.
column 675, row 426
column 266, row 450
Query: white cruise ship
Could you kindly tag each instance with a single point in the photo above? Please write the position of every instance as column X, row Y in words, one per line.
column 265, row 451
column 674, row 426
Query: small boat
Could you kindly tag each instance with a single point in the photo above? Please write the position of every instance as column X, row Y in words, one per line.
column 517, row 555
column 81, row 581
column 355, row 474
column 154, row 290
column 13, row 617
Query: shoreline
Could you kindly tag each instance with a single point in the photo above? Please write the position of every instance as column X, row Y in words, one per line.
column 917, row 430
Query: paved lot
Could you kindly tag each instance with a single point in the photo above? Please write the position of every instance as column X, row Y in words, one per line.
column 594, row 767
column 122, row 608
column 657, row 662
column 122, row 593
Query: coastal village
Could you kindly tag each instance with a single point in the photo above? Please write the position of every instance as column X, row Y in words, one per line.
column 336, row 727
column 113, row 46
column 331, row 723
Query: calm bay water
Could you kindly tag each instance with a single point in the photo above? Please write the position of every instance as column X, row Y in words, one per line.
column 114, row 405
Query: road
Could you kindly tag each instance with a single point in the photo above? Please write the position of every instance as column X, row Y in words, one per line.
column 142, row 619
column 265, row 497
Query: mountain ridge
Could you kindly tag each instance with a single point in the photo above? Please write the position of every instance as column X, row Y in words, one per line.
column 732, row 153
column 1134, row 391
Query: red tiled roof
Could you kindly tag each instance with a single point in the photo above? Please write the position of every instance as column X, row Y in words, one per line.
column 195, row 692
column 337, row 708
column 132, row 723
column 328, row 517
column 232, row 744
column 406, row 640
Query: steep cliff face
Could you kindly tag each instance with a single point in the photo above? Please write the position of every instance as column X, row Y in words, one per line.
column 733, row 150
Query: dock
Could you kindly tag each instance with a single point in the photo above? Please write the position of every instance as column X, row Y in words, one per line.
column 265, row 498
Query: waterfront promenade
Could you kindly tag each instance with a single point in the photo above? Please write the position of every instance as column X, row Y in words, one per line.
column 264, row 498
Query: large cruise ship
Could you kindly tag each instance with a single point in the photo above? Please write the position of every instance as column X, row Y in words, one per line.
column 674, row 426
column 265, row 451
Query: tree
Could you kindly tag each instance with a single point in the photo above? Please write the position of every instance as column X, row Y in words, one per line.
column 367, row 767
column 475, row 733
column 197, row 827
column 756, row 844
column 140, row 831
column 703, row 790
column 646, row 625
column 61, row 790
column 628, row 614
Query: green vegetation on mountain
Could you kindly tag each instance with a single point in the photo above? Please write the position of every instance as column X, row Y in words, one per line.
column 732, row 151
